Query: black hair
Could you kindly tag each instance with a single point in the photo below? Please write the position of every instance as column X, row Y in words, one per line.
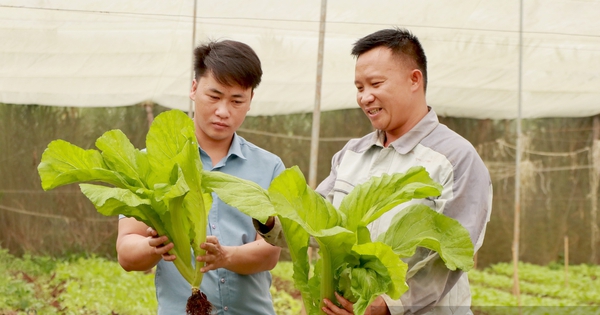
column 230, row 62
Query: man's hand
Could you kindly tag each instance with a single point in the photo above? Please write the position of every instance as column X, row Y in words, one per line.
column 158, row 245
column 378, row 307
column 216, row 256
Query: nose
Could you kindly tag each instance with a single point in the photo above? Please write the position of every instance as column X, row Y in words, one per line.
column 222, row 111
column 364, row 97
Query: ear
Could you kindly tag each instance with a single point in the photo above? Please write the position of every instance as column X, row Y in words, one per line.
column 416, row 79
column 193, row 89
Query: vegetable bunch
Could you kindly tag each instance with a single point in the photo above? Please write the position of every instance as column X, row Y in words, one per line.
column 160, row 186
column 350, row 261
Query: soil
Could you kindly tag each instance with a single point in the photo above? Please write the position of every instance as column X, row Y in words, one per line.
column 198, row 304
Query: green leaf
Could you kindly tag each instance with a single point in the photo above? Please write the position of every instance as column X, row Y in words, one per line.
column 166, row 138
column 120, row 155
column 368, row 201
column 175, row 188
column 161, row 186
column 64, row 163
column 419, row 225
column 173, row 153
column 379, row 272
column 381, row 258
column 247, row 196
column 111, row 201
column 298, row 241
column 296, row 201
column 197, row 202
column 362, row 269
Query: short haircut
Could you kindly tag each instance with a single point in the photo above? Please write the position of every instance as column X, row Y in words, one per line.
column 402, row 43
column 230, row 62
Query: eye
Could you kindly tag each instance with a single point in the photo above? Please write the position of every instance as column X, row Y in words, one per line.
column 378, row 83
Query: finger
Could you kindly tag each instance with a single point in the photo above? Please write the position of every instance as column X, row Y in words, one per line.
column 168, row 257
column 327, row 311
column 207, row 268
column 207, row 259
column 210, row 248
column 347, row 305
column 151, row 232
column 211, row 265
column 332, row 309
column 158, row 241
column 211, row 262
column 164, row 249
column 212, row 240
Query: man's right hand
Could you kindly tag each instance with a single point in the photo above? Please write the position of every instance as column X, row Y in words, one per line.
column 160, row 245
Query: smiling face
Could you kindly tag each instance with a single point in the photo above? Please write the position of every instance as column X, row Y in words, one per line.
column 219, row 110
column 389, row 91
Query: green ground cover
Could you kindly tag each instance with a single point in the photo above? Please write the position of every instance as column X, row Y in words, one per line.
column 94, row 285
column 544, row 289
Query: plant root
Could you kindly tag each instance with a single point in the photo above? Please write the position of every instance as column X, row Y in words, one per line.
column 198, row 304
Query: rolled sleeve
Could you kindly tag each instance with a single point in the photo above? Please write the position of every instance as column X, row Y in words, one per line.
column 394, row 306
column 274, row 236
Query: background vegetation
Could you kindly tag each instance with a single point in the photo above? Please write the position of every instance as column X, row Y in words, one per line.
column 556, row 198
column 96, row 285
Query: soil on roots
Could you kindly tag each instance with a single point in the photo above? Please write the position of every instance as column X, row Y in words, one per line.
column 198, row 304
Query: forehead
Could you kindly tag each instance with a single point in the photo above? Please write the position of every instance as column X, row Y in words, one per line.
column 378, row 59
column 209, row 82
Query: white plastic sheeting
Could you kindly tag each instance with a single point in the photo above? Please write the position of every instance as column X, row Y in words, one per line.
column 117, row 53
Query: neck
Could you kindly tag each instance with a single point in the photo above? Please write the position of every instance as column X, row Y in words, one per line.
column 216, row 149
column 416, row 116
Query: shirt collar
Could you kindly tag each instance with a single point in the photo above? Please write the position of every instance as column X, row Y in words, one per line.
column 413, row 137
column 235, row 148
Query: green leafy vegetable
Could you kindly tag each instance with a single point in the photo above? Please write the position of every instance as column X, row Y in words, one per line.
column 160, row 186
column 350, row 262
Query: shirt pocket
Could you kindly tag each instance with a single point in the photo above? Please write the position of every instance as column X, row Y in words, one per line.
column 341, row 189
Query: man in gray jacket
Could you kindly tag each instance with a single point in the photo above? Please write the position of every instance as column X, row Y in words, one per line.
column 391, row 81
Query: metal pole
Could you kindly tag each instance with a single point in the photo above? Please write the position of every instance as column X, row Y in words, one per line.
column 594, row 178
column 314, row 142
column 566, row 261
column 191, row 104
column 517, row 221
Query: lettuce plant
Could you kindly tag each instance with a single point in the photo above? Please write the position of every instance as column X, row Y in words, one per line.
column 160, row 186
column 349, row 261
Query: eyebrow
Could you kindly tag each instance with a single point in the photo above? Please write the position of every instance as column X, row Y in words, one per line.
column 214, row 90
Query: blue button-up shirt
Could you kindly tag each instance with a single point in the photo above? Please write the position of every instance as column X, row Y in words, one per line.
column 228, row 292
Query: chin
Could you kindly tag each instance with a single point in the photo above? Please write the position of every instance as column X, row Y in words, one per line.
column 378, row 125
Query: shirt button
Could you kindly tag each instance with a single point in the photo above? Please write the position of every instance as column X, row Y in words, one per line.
column 226, row 308
column 222, row 280
column 214, row 226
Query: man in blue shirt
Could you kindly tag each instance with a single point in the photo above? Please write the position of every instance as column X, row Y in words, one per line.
column 237, row 260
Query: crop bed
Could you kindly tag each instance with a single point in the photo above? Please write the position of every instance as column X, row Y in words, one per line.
column 95, row 285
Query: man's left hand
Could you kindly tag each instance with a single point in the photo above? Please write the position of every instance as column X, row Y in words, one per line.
column 216, row 256
column 378, row 307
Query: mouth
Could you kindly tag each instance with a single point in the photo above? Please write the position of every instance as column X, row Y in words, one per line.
column 373, row 111
column 220, row 125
